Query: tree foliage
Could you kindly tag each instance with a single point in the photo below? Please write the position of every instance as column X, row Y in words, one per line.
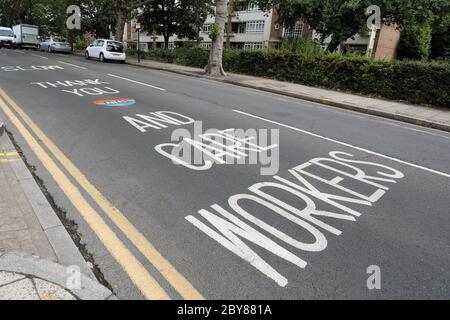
column 181, row 17
column 343, row 19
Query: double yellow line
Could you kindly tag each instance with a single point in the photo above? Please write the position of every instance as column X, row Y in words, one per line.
column 140, row 276
column 6, row 157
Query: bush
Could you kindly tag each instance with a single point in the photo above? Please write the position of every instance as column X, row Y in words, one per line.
column 415, row 43
column 301, row 45
column 193, row 57
column 418, row 82
column 80, row 43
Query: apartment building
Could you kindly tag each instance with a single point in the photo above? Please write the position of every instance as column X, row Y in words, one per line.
column 253, row 28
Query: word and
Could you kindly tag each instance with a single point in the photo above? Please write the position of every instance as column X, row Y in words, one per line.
column 158, row 120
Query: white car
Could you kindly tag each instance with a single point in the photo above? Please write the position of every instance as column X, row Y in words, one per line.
column 105, row 50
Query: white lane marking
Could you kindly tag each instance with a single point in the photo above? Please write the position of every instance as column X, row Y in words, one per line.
column 345, row 144
column 134, row 81
column 302, row 102
column 19, row 52
column 73, row 65
column 36, row 55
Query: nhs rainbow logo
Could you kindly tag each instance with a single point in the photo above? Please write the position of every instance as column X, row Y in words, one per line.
column 118, row 102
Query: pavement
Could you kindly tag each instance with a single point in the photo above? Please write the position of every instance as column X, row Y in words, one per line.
column 433, row 117
column 356, row 206
column 37, row 255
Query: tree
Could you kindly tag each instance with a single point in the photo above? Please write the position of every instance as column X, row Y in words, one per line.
column 215, row 65
column 342, row 19
column 181, row 17
column 123, row 9
column 200, row 10
column 415, row 42
column 440, row 43
column 338, row 19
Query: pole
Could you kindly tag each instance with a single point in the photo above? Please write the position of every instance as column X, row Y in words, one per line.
column 139, row 46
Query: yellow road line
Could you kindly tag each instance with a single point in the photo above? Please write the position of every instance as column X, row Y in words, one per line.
column 177, row 281
column 8, row 154
column 8, row 160
column 135, row 270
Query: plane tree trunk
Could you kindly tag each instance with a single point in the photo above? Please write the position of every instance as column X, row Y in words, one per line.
column 215, row 66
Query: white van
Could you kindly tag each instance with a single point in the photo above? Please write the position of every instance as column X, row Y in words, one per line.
column 27, row 36
column 7, row 38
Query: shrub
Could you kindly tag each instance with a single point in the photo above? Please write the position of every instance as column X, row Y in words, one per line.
column 418, row 82
column 193, row 57
column 415, row 42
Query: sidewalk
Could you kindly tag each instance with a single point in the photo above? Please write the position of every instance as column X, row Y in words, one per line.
column 437, row 118
column 38, row 259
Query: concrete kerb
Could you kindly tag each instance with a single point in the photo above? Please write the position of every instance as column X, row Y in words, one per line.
column 83, row 287
column 65, row 249
column 2, row 127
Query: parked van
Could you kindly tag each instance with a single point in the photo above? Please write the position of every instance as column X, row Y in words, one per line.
column 7, row 38
column 27, row 36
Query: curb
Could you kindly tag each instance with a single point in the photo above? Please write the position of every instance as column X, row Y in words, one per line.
column 393, row 116
column 23, row 264
column 2, row 127
column 65, row 249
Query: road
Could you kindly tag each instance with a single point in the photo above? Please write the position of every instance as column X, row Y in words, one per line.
column 354, row 206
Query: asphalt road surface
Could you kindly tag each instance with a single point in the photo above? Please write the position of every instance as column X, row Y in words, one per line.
column 334, row 205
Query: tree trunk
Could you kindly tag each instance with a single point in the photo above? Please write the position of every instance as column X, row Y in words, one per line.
column 122, row 17
column 334, row 44
column 215, row 66
column 230, row 22
column 166, row 41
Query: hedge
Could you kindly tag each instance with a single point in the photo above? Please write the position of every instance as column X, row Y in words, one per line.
column 417, row 82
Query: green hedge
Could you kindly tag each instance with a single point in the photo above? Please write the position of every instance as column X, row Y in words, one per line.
column 413, row 81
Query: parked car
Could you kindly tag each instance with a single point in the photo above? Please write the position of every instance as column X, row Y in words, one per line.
column 7, row 38
column 55, row 44
column 27, row 36
column 105, row 50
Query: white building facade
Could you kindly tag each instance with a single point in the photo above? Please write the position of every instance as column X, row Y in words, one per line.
column 252, row 28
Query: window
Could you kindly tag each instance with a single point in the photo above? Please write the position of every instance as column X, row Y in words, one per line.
column 252, row 8
column 115, row 46
column 255, row 26
column 241, row 28
column 57, row 39
column 100, row 43
column 206, row 27
column 241, row 6
column 253, row 45
column 295, row 32
column 207, row 45
column 6, row 33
